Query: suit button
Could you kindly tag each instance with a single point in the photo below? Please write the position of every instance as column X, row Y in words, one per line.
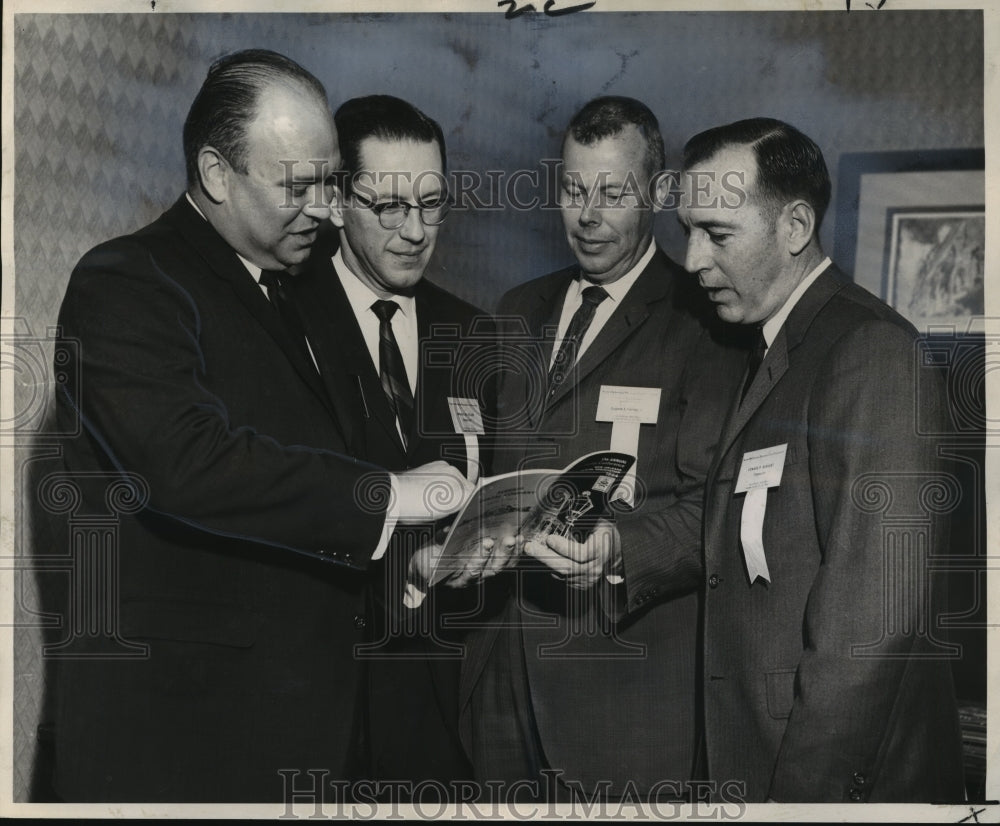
column 713, row 581
column 348, row 558
column 859, row 779
column 360, row 622
column 323, row 552
column 855, row 795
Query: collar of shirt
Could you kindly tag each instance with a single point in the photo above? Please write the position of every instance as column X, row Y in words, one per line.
column 253, row 269
column 616, row 290
column 773, row 324
column 404, row 322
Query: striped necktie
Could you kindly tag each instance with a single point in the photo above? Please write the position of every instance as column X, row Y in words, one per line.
column 566, row 357
column 392, row 373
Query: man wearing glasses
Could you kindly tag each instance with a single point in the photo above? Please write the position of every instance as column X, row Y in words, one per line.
column 367, row 308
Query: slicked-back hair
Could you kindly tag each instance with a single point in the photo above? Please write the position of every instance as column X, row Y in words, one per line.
column 228, row 101
column 789, row 164
column 608, row 116
column 386, row 118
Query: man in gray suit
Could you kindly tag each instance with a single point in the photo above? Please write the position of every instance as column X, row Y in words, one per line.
column 823, row 678
column 587, row 667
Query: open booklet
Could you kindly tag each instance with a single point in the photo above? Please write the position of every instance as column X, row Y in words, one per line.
column 534, row 504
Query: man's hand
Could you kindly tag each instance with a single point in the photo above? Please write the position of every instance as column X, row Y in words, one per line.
column 580, row 564
column 422, row 566
column 493, row 556
column 423, row 571
column 430, row 492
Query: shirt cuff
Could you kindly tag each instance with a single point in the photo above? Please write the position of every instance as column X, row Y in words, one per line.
column 391, row 518
column 615, row 573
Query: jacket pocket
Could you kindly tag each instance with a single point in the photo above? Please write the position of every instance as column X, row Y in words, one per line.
column 780, row 692
column 228, row 625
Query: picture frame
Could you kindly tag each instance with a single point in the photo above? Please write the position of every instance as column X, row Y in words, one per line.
column 911, row 228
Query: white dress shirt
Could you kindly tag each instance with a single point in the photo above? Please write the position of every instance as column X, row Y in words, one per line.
column 616, row 290
column 404, row 321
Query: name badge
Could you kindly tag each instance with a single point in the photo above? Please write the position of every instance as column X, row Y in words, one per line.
column 634, row 405
column 760, row 470
column 627, row 408
column 467, row 419
column 466, row 416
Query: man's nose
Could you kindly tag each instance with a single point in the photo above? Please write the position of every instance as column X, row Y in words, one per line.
column 317, row 204
column 697, row 258
column 413, row 227
column 589, row 215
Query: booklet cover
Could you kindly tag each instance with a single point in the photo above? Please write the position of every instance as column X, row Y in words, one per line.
column 535, row 504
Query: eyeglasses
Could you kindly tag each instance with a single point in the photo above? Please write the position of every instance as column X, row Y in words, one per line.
column 393, row 214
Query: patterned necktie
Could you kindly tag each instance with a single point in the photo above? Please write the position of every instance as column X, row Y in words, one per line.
column 566, row 357
column 392, row 373
column 282, row 302
column 754, row 361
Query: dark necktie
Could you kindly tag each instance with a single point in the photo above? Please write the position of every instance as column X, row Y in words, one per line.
column 566, row 357
column 754, row 362
column 392, row 373
column 282, row 302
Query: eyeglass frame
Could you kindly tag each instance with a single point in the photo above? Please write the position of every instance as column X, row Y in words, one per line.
column 381, row 209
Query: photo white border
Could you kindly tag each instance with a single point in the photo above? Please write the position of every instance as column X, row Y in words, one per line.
column 755, row 812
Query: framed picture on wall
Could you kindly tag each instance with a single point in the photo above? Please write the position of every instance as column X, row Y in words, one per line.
column 911, row 227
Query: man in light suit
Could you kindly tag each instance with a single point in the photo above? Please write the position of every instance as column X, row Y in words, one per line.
column 241, row 560
column 388, row 211
column 588, row 668
column 824, row 677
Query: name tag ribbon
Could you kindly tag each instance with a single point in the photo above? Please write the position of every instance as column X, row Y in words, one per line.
column 627, row 408
column 760, row 470
column 468, row 420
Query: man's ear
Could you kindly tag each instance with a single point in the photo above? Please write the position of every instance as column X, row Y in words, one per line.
column 660, row 190
column 215, row 173
column 337, row 206
column 799, row 221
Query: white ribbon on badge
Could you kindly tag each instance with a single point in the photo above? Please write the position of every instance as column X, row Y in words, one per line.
column 627, row 408
column 760, row 470
column 468, row 420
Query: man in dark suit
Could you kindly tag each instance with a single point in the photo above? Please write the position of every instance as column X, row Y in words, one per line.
column 553, row 682
column 243, row 543
column 389, row 210
column 824, row 680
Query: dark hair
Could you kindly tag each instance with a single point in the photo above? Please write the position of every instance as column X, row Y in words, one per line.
column 384, row 117
column 605, row 117
column 789, row 164
column 227, row 103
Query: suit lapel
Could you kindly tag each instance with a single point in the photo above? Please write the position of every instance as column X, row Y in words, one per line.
column 223, row 261
column 771, row 370
column 652, row 285
column 542, row 319
column 345, row 362
column 432, row 385
column 776, row 362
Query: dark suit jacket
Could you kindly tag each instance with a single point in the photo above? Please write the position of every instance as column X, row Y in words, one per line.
column 243, row 573
column 413, row 658
column 614, row 702
column 828, row 683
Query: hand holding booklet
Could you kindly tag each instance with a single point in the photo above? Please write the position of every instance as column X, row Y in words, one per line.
column 533, row 504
